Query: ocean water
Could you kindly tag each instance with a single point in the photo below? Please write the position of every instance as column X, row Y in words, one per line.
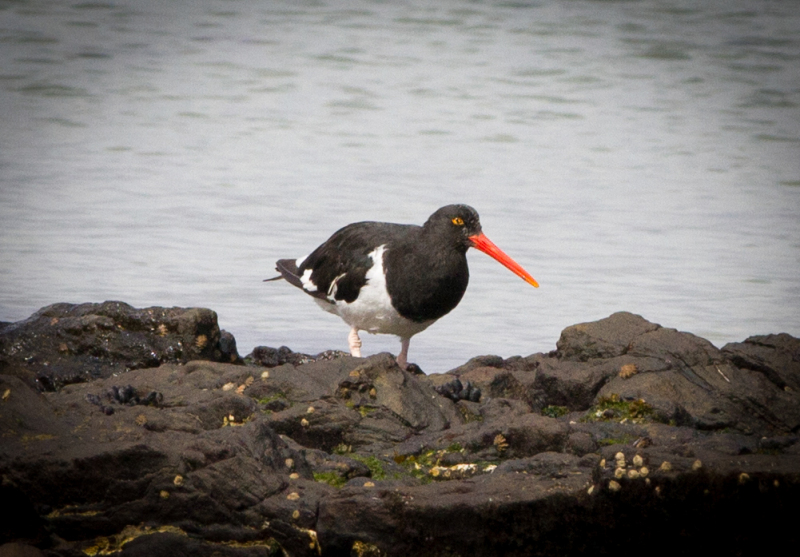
column 634, row 155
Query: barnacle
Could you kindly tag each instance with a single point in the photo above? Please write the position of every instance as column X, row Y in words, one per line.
column 628, row 370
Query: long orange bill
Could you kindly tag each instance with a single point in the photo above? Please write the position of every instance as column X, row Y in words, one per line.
column 481, row 242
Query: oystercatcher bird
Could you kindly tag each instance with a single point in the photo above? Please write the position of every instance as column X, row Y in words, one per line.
column 394, row 279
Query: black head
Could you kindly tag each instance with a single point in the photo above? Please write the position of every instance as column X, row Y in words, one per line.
column 456, row 223
column 458, row 226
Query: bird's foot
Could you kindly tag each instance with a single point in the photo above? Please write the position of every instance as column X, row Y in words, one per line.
column 355, row 343
column 455, row 391
column 411, row 368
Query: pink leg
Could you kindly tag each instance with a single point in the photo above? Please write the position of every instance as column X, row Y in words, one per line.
column 355, row 343
column 402, row 358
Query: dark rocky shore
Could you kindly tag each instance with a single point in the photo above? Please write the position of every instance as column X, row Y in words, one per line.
column 143, row 432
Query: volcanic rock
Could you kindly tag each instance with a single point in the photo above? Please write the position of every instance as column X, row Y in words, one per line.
column 67, row 343
column 629, row 434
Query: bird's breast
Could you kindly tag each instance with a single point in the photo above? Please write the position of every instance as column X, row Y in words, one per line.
column 373, row 310
column 426, row 288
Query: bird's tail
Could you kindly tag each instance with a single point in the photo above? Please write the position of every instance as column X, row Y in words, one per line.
column 288, row 270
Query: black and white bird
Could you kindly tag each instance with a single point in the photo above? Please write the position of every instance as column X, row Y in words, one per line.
column 395, row 279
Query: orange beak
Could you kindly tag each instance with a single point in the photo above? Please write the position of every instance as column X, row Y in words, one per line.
column 481, row 242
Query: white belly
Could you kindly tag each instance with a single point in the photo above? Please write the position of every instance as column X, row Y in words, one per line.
column 372, row 311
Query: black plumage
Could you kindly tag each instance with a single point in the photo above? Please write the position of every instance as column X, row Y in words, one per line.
column 422, row 272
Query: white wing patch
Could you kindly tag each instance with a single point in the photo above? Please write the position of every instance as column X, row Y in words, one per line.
column 308, row 285
column 305, row 279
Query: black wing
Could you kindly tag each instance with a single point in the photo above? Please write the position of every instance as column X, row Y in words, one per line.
column 343, row 261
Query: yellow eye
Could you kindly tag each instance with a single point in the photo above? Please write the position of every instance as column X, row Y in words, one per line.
column 458, row 221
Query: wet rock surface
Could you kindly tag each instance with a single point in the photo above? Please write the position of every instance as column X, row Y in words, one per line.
column 627, row 435
column 68, row 343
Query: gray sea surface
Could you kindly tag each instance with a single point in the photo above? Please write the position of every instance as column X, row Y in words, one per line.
column 632, row 155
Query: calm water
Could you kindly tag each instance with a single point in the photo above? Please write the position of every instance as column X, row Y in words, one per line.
column 640, row 156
